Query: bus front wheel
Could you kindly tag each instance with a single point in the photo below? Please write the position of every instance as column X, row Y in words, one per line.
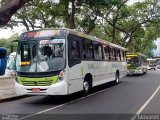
column 86, row 87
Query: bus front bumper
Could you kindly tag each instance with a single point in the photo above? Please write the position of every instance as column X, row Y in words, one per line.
column 59, row 88
column 131, row 72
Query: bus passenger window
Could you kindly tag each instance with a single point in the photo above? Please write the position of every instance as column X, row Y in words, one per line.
column 87, row 50
column 121, row 53
column 112, row 53
column 118, row 55
column 75, row 52
column 124, row 55
column 106, row 52
column 97, row 51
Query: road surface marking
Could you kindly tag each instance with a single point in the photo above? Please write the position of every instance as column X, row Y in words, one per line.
column 145, row 104
column 68, row 102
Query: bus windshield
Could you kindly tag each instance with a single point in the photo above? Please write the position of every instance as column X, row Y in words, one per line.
column 133, row 61
column 41, row 56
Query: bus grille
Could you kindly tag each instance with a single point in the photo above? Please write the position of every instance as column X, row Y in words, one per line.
column 131, row 67
column 37, row 83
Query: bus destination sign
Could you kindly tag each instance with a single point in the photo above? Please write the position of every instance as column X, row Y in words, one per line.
column 42, row 34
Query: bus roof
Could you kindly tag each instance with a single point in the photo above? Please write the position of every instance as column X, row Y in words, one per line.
column 151, row 59
column 135, row 54
column 2, row 48
column 80, row 34
column 74, row 32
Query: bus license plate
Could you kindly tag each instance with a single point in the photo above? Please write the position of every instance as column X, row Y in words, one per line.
column 35, row 89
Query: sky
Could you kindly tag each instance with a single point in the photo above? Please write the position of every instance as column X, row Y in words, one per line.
column 156, row 52
column 7, row 32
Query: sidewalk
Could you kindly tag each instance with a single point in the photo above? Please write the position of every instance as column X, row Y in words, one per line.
column 7, row 91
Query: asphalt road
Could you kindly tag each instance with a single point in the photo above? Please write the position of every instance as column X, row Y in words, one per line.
column 134, row 95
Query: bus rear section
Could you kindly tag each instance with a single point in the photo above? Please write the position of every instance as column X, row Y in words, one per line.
column 136, row 63
column 151, row 64
column 3, row 60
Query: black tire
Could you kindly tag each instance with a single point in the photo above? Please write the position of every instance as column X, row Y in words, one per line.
column 86, row 86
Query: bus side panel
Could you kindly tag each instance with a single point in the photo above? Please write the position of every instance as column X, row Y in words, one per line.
column 118, row 66
column 88, row 68
column 114, row 68
column 123, row 69
column 75, row 78
column 102, row 72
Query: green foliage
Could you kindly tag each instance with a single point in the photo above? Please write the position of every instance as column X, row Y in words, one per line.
column 7, row 42
column 131, row 26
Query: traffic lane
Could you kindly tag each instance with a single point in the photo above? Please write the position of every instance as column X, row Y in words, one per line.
column 124, row 99
column 119, row 99
column 153, row 106
column 27, row 105
column 33, row 104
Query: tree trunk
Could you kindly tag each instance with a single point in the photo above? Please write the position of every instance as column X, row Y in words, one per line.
column 9, row 9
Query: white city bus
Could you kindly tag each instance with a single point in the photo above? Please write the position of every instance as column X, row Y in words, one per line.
column 63, row 61
column 136, row 63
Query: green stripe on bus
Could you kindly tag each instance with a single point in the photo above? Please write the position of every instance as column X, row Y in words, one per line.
column 40, row 81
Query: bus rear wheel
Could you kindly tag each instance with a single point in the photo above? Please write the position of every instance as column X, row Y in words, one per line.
column 116, row 81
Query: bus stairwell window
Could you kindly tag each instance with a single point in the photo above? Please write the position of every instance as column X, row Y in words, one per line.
column 75, row 49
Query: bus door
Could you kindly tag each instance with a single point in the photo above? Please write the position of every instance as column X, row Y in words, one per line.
column 74, row 61
column 3, row 60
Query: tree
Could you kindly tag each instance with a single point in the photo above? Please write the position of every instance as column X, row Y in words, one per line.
column 7, row 42
column 121, row 22
column 112, row 20
column 8, row 9
column 143, row 40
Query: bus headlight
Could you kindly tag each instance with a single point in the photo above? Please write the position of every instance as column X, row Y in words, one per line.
column 17, row 80
column 61, row 75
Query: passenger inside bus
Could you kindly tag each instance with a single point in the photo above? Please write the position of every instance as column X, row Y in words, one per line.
column 48, row 51
column 53, row 57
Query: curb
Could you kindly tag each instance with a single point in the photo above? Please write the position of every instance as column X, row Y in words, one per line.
column 6, row 77
column 13, row 98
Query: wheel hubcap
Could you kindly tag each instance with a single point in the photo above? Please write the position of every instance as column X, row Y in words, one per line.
column 86, row 86
column 117, row 80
